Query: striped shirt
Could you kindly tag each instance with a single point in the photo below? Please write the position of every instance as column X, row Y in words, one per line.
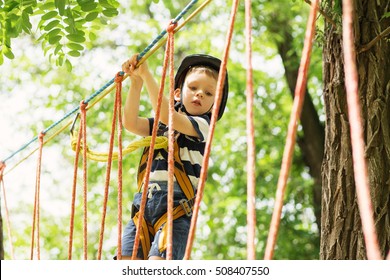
column 191, row 150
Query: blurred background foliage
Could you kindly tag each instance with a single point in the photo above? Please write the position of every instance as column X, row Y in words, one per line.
column 45, row 75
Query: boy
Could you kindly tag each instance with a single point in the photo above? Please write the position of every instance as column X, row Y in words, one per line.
column 195, row 90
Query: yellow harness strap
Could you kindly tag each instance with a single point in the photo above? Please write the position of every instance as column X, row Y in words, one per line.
column 184, row 208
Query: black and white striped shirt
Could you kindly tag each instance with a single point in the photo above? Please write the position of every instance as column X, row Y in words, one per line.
column 191, row 150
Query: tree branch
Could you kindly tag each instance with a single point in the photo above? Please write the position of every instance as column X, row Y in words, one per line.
column 325, row 15
column 381, row 35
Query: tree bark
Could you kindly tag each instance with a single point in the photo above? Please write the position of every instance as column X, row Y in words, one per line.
column 341, row 234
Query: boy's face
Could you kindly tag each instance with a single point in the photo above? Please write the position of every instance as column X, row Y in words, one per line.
column 198, row 93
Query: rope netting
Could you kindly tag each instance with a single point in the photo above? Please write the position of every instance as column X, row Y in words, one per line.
column 80, row 143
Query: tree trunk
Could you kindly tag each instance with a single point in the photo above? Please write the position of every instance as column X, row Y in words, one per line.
column 341, row 234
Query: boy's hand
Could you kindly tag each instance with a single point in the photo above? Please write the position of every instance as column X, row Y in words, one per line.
column 129, row 67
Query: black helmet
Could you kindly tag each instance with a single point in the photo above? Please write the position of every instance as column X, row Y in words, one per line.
column 202, row 60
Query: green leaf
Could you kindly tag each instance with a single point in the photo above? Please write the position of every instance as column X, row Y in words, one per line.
column 51, row 25
column 76, row 38
column 74, row 53
column 55, row 39
column 1, row 58
column 74, row 46
column 49, row 15
column 68, row 65
column 91, row 16
column 92, row 36
column 105, row 4
column 8, row 52
column 60, row 5
column 57, row 49
column 110, row 12
column 88, row 7
column 54, row 32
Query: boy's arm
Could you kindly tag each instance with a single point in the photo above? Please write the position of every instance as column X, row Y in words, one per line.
column 131, row 119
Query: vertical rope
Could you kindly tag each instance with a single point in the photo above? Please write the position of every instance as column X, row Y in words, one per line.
column 83, row 128
column 292, row 128
column 171, row 138
column 119, row 79
column 214, row 116
column 35, row 225
column 357, row 140
column 2, row 167
column 250, row 131
column 150, row 157
column 73, row 200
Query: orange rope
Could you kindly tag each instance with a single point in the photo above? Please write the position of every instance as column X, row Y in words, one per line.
column 171, row 138
column 357, row 140
column 35, row 225
column 72, row 212
column 83, row 128
column 118, row 80
column 292, row 128
column 150, row 157
column 250, row 130
column 214, row 116
column 2, row 167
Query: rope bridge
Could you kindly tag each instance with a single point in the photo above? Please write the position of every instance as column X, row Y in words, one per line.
column 79, row 141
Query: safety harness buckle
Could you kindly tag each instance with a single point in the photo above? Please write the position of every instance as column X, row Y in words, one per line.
column 186, row 207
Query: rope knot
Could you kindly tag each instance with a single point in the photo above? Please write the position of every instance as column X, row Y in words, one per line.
column 171, row 26
column 2, row 167
column 119, row 77
column 41, row 136
column 83, row 105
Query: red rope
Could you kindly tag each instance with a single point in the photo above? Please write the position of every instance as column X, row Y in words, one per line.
column 357, row 140
column 73, row 201
column 171, row 138
column 250, row 130
column 118, row 80
column 150, row 156
column 83, row 128
column 292, row 128
column 214, row 116
column 2, row 167
column 36, row 214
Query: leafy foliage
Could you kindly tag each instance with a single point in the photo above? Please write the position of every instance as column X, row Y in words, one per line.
column 63, row 27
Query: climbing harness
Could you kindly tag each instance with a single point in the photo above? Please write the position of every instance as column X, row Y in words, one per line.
column 185, row 206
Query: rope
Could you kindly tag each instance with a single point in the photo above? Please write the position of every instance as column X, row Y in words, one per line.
column 171, row 137
column 151, row 150
column 120, row 159
column 118, row 81
column 2, row 167
column 218, row 98
column 357, row 140
column 250, row 130
column 150, row 156
column 292, row 128
column 73, row 201
column 83, row 128
column 161, row 143
column 35, row 225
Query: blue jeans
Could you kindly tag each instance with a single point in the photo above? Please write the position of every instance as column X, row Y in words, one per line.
column 156, row 206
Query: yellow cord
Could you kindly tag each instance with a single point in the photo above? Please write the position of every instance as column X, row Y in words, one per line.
column 161, row 143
